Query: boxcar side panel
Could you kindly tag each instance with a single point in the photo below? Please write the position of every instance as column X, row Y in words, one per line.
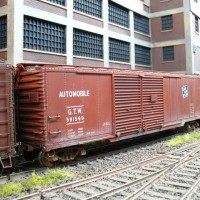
column 186, row 94
column 79, row 108
column 166, row 88
column 197, row 97
column 138, row 104
column 181, row 96
column 7, row 127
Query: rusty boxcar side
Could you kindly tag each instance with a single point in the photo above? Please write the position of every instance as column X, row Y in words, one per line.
column 7, row 122
column 181, row 97
column 61, row 108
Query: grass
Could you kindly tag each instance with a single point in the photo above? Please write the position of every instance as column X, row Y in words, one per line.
column 51, row 177
column 10, row 189
column 179, row 140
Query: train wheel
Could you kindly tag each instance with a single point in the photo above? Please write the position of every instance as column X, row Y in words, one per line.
column 45, row 160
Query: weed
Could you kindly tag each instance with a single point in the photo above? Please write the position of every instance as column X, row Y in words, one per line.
column 53, row 176
column 10, row 189
column 179, row 140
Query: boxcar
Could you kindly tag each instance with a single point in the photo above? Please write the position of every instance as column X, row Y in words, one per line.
column 7, row 125
column 61, row 108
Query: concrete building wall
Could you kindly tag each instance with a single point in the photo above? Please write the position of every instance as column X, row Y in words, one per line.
column 3, row 3
column 183, row 37
column 178, row 64
column 70, row 18
column 163, row 5
column 178, row 32
column 197, row 60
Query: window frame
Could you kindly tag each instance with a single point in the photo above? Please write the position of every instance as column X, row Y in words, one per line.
column 196, row 24
column 114, row 17
column 88, row 9
column 140, row 58
column 60, row 4
column 4, row 32
column 44, row 35
column 89, row 49
column 141, row 28
column 168, row 54
column 167, row 23
column 116, row 54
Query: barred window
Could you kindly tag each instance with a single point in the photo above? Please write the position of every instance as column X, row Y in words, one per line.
column 118, row 14
column 59, row 2
column 168, row 53
column 167, row 22
column 119, row 50
column 196, row 24
column 3, row 32
column 141, row 24
column 90, row 7
column 87, row 44
column 142, row 55
column 43, row 35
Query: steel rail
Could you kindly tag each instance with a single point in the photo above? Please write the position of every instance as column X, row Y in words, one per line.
column 51, row 191
column 14, row 176
column 191, row 190
column 149, row 184
column 157, row 174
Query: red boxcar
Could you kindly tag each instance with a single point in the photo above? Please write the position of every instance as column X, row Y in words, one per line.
column 60, row 108
column 7, row 125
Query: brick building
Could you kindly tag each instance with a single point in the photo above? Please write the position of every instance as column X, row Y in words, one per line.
column 150, row 34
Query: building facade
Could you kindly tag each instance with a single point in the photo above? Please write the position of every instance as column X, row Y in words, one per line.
column 149, row 34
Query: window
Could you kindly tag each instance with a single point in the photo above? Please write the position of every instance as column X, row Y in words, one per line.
column 90, row 7
column 87, row 44
column 196, row 24
column 3, row 32
column 142, row 55
column 167, row 22
column 43, row 35
column 59, row 2
column 119, row 50
column 118, row 14
column 168, row 53
column 141, row 24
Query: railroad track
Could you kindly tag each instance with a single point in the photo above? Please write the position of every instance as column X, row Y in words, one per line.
column 145, row 180
column 16, row 176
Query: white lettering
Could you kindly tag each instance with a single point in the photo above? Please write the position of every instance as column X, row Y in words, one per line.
column 75, row 115
column 81, row 93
